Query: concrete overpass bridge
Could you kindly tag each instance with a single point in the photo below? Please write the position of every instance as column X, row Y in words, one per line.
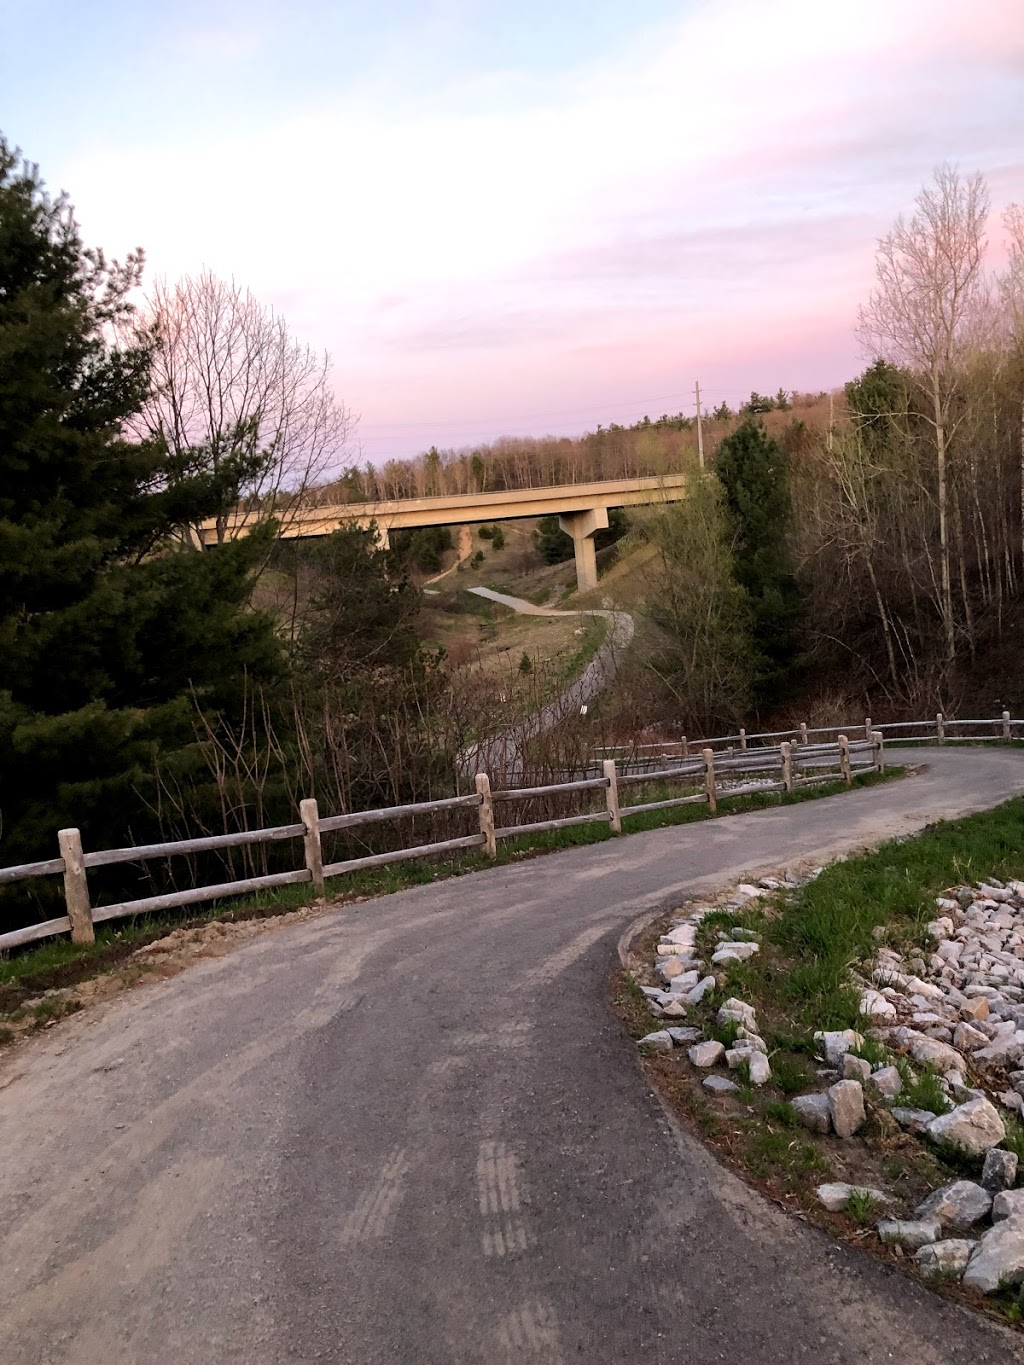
column 581, row 508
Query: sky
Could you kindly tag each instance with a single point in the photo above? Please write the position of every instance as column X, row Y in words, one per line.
column 529, row 218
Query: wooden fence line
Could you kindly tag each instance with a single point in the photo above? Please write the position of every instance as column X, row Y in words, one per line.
column 936, row 730
column 710, row 773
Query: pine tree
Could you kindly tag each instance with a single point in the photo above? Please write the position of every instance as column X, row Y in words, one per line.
column 109, row 625
column 753, row 470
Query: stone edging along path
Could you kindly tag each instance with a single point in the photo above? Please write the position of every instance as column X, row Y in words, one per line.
column 947, row 1023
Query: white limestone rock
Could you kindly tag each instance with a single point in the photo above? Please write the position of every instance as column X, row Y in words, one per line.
column 671, row 967
column 736, row 1011
column 661, row 1041
column 1008, row 1204
column 707, row 1054
column 973, row 1127
column 814, row 1112
column 835, row 1044
column 836, row 1195
column 855, row 1068
column 760, row 1068
column 846, row 1105
column 957, row 1206
column 701, row 989
column 906, row 1232
column 946, row 1259
column 681, row 1036
column 932, row 1052
column 875, row 1006
column 1000, row 1172
column 998, row 1259
column 734, row 952
column 887, row 1081
column 916, row 1120
column 720, row 1085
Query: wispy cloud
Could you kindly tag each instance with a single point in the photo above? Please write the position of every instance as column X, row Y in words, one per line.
column 703, row 198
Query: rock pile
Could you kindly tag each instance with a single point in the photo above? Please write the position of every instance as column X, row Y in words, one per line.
column 960, row 1008
column 687, row 980
column 956, row 1011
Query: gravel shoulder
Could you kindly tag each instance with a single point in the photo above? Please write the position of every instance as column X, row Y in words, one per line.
column 412, row 1130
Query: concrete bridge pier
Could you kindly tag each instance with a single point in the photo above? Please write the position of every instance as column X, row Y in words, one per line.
column 583, row 526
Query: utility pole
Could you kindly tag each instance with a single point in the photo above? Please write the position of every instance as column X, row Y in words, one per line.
column 700, row 432
column 831, row 420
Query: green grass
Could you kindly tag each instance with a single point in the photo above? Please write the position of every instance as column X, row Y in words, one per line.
column 861, row 1207
column 58, row 961
column 774, row 1152
column 829, row 923
column 922, row 1089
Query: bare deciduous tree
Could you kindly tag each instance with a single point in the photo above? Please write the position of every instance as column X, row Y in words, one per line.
column 236, row 395
column 925, row 315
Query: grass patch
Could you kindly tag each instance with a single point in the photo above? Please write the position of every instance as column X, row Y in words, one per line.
column 923, row 1089
column 861, row 1207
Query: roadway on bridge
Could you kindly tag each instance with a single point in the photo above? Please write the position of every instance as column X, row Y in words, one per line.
column 411, row 1132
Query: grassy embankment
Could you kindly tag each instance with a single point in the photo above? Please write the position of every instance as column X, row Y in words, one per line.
column 799, row 982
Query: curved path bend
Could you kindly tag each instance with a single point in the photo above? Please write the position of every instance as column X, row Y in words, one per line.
column 412, row 1132
column 502, row 755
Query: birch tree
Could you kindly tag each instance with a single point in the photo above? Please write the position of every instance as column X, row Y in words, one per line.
column 924, row 315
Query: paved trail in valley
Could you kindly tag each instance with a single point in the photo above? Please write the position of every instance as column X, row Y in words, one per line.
column 411, row 1132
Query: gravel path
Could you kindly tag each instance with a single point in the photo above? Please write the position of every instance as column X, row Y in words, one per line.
column 502, row 755
column 412, row 1131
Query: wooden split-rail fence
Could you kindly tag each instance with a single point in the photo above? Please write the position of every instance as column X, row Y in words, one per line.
column 942, row 730
column 708, row 777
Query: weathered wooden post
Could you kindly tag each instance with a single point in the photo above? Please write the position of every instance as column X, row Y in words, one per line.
column 686, row 747
column 709, row 779
column 803, row 732
column 877, row 741
column 1006, row 726
column 845, row 766
column 310, row 817
column 786, row 751
column 611, row 795
column 483, row 786
column 867, row 727
column 76, row 888
column 940, row 728
column 743, row 738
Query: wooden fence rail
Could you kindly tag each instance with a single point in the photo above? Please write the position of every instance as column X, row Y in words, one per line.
column 940, row 729
column 706, row 780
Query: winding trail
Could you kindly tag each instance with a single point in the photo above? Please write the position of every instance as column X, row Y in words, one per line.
column 411, row 1132
column 502, row 755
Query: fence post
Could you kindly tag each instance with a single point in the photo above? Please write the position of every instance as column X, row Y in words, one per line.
column 483, row 786
column 611, row 795
column 310, row 817
column 786, row 750
column 803, row 732
column 867, row 727
column 709, row 779
column 878, row 742
column 844, row 760
column 686, row 747
column 940, row 728
column 1006, row 726
column 76, row 888
column 743, row 738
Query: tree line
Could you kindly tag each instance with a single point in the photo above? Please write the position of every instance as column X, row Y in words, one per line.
column 899, row 530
